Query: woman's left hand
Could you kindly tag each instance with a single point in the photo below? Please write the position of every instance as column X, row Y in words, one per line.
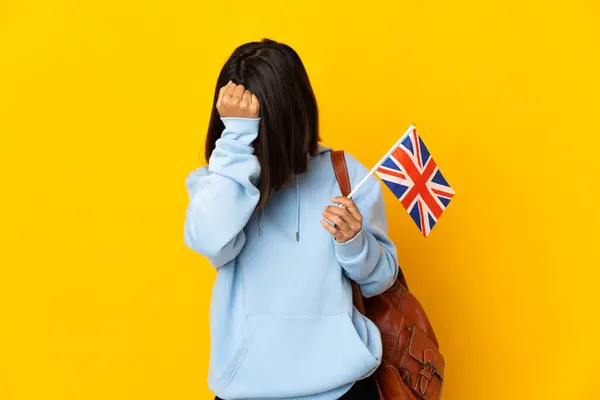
column 347, row 219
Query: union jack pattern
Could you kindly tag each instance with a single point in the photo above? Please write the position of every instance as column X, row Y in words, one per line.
column 414, row 178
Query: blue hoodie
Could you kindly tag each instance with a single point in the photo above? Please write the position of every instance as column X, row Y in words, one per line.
column 282, row 321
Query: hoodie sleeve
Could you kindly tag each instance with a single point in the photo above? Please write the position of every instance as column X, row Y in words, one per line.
column 370, row 257
column 223, row 195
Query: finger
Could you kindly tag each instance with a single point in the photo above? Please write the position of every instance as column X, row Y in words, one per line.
column 354, row 219
column 238, row 93
column 340, row 224
column 220, row 98
column 353, row 225
column 229, row 89
column 341, row 212
column 350, row 205
column 246, row 99
column 255, row 105
column 344, row 201
column 329, row 228
column 335, row 219
column 255, row 100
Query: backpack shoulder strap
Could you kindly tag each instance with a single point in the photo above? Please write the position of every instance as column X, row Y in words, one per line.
column 338, row 159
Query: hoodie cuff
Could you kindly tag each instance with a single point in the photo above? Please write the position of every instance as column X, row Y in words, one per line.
column 351, row 249
column 241, row 125
column 243, row 130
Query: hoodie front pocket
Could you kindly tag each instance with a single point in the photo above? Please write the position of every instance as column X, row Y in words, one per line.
column 290, row 356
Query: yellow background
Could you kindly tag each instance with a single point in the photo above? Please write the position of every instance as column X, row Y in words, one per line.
column 103, row 109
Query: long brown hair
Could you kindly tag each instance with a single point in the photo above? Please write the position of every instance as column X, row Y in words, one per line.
column 289, row 126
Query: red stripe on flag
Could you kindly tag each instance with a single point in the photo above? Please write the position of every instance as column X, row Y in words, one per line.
column 423, row 229
column 419, row 180
column 442, row 193
column 391, row 172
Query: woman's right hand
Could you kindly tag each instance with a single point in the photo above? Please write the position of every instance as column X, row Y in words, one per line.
column 235, row 101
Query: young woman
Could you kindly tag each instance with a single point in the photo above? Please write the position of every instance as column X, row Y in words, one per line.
column 268, row 215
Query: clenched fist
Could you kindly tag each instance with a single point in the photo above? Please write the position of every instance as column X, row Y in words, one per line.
column 346, row 219
column 235, row 101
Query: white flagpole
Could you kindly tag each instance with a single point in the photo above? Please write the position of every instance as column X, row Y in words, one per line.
column 408, row 131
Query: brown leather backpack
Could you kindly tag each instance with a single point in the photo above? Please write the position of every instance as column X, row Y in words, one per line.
column 412, row 366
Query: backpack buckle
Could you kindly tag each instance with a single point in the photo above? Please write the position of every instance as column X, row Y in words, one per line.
column 427, row 371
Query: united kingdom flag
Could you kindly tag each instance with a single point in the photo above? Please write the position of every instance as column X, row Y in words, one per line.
column 414, row 178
